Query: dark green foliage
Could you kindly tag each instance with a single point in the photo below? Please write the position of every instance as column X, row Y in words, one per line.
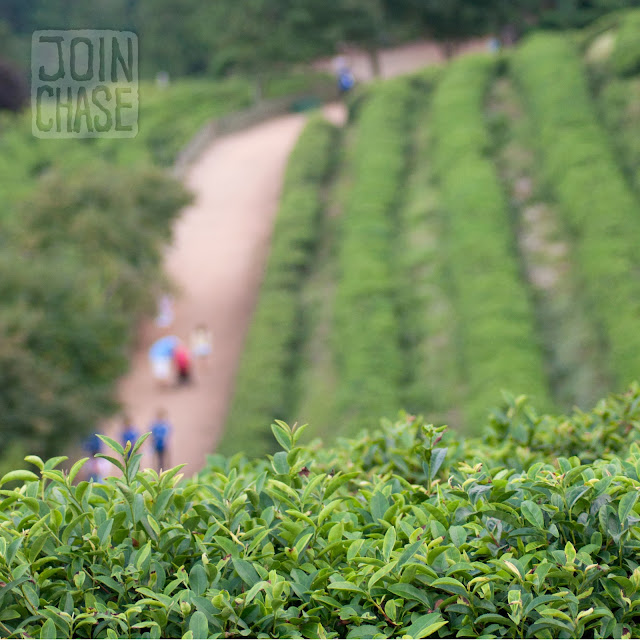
column 366, row 334
column 497, row 346
column 75, row 273
column 14, row 92
column 403, row 532
column 598, row 206
column 267, row 370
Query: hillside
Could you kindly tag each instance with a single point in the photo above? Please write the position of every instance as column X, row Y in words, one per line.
column 69, row 317
column 474, row 228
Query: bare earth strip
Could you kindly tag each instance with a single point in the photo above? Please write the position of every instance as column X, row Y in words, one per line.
column 216, row 260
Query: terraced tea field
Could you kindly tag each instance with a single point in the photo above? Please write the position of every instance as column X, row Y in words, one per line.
column 476, row 230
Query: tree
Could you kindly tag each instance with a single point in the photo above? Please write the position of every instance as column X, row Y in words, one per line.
column 362, row 23
column 74, row 276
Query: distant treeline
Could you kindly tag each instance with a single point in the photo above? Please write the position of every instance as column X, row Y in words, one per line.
column 190, row 37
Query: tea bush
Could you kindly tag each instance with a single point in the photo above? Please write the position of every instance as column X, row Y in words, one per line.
column 366, row 338
column 598, row 205
column 625, row 58
column 402, row 532
column 497, row 342
column 617, row 98
column 617, row 102
column 431, row 380
column 265, row 377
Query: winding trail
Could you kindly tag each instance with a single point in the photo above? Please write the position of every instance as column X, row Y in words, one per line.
column 216, row 260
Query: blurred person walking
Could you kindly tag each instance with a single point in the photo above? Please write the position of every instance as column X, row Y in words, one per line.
column 129, row 434
column 160, row 431
column 164, row 319
column 97, row 469
column 92, row 445
column 182, row 362
column 201, row 344
column 160, row 357
column 344, row 75
column 93, row 469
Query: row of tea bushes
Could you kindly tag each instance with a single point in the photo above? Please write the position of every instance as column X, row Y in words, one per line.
column 366, row 332
column 432, row 377
column 498, row 345
column 617, row 96
column 267, row 369
column 598, row 206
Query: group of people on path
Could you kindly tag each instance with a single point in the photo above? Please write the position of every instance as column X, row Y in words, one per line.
column 160, row 429
column 170, row 356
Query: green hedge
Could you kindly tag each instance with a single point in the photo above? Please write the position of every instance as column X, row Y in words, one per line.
column 598, row 205
column 403, row 532
column 366, row 334
column 265, row 377
column 497, row 342
column 431, row 384
column 616, row 102
column 617, row 97
column 625, row 58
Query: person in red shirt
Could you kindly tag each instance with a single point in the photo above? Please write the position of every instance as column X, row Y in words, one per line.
column 182, row 362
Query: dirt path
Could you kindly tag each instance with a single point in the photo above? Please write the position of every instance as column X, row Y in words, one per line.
column 216, row 260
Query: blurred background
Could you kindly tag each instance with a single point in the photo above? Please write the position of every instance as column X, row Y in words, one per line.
column 469, row 227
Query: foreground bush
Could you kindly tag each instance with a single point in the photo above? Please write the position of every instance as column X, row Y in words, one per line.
column 404, row 532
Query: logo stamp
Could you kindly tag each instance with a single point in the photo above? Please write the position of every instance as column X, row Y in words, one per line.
column 84, row 84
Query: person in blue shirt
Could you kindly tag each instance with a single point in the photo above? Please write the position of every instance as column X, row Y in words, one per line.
column 93, row 445
column 160, row 431
column 129, row 433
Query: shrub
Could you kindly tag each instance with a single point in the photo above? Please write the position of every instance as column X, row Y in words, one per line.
column 617, row 99
column 268, row 362
column 366, row 336
column 431, row 380
column 402, row 532
column 496, row 337
column 625, row 58
column 598, row 206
